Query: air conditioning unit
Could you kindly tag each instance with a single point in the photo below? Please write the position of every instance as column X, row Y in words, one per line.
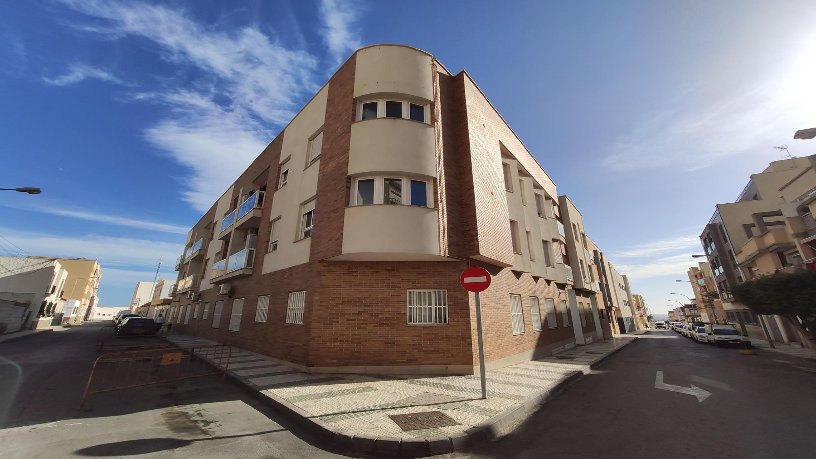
column 190, row 295
column 225, row 289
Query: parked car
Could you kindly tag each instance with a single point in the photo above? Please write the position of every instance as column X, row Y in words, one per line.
column 676, row 326
column 137, row 326
column 660, row 326
column 723, row 335
column 121, row 317
column 700, row 334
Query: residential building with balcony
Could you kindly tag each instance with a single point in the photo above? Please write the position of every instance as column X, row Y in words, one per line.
column 702, row 283
column 142, row 293
column 339, row 248
column 30, row 292
column 82, row 284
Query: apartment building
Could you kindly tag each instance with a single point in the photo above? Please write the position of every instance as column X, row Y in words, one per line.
column 769, row 228
column 142, row 293
column 30, row 292
column 702, row 283
column 82, row 284
column 339, row 248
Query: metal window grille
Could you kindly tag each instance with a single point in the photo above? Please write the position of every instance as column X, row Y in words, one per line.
column 565, row 313
column 235, row 316
column 262, row 310
column 427, row 307
column 552, row 320
column 535, row 313
column 206, row 312
column 217, row 314
column 516, row 315
column 188, row 314
column 294, row 309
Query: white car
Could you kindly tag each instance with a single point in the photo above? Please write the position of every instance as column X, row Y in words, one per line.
column 723, row 335
column 700, row 334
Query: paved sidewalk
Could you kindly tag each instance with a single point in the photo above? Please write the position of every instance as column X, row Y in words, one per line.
column 20, row 334
column 793, row 350
column 355, row 410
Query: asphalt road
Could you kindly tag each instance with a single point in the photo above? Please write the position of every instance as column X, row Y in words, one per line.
column 761, row 406
column 42, row 378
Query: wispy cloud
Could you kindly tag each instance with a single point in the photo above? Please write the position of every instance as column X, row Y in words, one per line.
column 249, row 84
column 707, row 125
column 674, row 265
column 80, row 72
column 661, row 247
column 113, row 251
column 107, row 219
column 338, row 18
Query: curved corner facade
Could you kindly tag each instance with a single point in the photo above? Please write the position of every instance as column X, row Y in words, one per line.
column 340, row 247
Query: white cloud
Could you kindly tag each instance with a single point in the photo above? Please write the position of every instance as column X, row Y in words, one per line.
column 108, row 219
column 707, row 125
column 115, row 251
column 674, row 265
column 338, row 18
column 80, row 72
column 253, row 84
column 660, row 247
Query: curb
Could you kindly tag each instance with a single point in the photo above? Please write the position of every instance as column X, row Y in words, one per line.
column 495, row 427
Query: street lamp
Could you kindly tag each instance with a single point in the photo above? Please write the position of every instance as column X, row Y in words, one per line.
column 805, row 134
column 24, row 189
column 675, row 293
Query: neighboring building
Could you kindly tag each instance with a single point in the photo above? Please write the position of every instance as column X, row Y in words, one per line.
column 159, row 299
column 640, row 311
column 30, row 292
column 142, row 293
column 702, row 283
column 107, row 312
column 339, row 248
column 82, row 284
column 769, row 228
column 606, row 307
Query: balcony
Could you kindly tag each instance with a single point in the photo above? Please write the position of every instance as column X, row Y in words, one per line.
column 227, row 222
column 561, row 230
column 185, row 284
column 180, row 262
column 249, row 212
column 568, row 273
column 771, row 241
column 194, row 251
column 238, row 264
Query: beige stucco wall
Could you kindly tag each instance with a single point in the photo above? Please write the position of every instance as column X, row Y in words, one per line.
column 301, row 186
column 222, row 206
column 392, row 145
column 400, row 231
column 800, row 186
column 393, row 69
column 734, row 215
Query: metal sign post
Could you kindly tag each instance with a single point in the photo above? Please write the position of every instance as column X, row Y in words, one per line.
column 477, row 280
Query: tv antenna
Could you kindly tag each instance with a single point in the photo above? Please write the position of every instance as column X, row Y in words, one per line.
column 785, row 149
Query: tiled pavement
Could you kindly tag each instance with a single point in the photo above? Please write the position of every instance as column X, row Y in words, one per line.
column 360, row 405
column 793, row 350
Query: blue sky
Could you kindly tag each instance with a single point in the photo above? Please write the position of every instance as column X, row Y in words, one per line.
column 135, row 116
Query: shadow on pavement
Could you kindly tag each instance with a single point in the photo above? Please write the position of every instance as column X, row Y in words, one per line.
column 152, row 445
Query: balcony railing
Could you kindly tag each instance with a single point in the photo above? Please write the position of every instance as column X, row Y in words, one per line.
column 219, row 268
column 561, row 229
column 228, row 220
column 568, row 273
column 185, row 284
column 236, row 261
column 254, row 201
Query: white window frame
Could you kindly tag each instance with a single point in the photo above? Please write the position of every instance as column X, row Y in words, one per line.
column 406, row 109
column 565, row 313
column 379, row 190
column 305, row 208
column 283, row 174
column 311, row 157
column 295, row 307
column 426, row 307
column 206, row 313
column 273, row 237
column 216, row 322
column 552, row 317
column 401, row 181
column 262, row 309
column 535, row 313
column 516, row 314
column 235, row 315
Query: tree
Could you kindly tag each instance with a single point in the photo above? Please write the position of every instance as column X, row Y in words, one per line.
column 792, row 295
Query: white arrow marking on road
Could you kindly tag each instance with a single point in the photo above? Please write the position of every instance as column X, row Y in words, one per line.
column 701, row 394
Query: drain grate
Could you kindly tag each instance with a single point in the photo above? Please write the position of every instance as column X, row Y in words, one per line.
column 425, row 420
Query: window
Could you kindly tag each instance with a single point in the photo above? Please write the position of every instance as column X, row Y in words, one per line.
column 530, row 246
column 307, row 219
column 535, row 313
column 262, row 311
column 419, row 193
column 235, row 316
column 273, row 235
column 206, row 312
column 539, row 200
column 508, row 178
column 559, row 257
column 369, row 111
column 514, row 236
column 516, row 315
column 364, row 192
column 393, row 109
column 294, row 309
column 523, row 193
column 417, row 113
column 565, row 313
column 217, row 314
column 583, row 270
column 547, row 248
column 315, row 146
column 392, row 189
column 284, row 174
column 196, row 311
column 188, row 314
column 427, row 307
column 552, row 320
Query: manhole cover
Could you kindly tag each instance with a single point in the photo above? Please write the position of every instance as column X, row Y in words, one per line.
column 426, row 420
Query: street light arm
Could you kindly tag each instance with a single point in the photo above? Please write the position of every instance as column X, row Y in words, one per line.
column 24, row 189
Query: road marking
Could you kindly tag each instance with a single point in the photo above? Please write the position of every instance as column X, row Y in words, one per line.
column 701, row 394
column 712, row 383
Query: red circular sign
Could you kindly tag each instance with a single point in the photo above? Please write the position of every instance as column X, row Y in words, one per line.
column 475, row 279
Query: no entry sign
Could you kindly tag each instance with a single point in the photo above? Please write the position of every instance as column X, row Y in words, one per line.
column 475, row 279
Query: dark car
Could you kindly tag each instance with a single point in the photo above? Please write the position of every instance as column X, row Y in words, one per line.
column 121, row 318
column 137, row 326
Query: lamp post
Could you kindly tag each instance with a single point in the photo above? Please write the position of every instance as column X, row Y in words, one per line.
column 24, row 189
